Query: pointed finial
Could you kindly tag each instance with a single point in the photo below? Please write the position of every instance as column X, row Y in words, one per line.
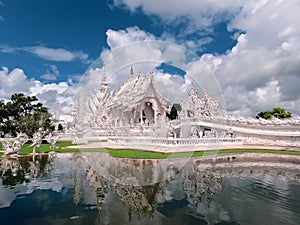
column 151, row 75
column 193, row 91
column 131, row 71
column 104, row 83
column 104, row 75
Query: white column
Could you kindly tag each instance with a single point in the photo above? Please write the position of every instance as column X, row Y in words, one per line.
column 141, row 117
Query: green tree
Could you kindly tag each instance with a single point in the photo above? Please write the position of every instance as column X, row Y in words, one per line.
column 280, row 113
column 3, row 116
column 174, row 111
column 267, row 115
column 277, row 112
column 24, row 114
column 60, row 127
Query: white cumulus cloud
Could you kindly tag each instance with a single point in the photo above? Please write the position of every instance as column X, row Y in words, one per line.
column 201, row 14
column 56, row 96
column 12, row 81
column 264, row 64
column 51, row 54
column 51, row 74
column 57, row 54
column 262, row 70
column 122, row 37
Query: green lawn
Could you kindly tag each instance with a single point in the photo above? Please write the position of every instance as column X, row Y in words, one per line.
column 1, row 149
column 286, row 152
column 140, row 154
column 27, row 149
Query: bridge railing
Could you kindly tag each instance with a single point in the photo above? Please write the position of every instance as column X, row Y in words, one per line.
column 176, row 141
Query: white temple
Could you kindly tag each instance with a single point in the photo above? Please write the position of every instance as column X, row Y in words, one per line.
column 136, row 114
column 137, row 105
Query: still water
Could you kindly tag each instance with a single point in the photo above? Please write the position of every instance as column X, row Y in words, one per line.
column 93, row 188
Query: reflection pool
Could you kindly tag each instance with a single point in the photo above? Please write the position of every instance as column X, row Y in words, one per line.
column 94, row 188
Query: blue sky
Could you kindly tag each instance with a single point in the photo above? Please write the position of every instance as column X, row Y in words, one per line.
column 77, row 26
column 45, row 46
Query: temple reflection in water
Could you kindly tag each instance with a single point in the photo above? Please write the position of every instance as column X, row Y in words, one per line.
column 153, row 192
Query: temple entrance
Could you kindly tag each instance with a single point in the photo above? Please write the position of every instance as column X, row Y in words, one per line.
column 148, row 113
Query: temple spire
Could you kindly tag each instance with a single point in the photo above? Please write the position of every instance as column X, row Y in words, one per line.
column 151, row 75
column 131, row 71
column 192, row 90
column 104, row 80
column 104, row 83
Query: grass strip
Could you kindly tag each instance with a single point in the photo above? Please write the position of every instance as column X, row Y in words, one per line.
column 286, row 152
column 141, row 154
column 45, row 148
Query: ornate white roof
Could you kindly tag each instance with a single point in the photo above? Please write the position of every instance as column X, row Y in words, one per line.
column 201, row 106
column 135, row 89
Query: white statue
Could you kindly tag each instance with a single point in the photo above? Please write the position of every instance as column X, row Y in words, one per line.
column 52, row 141
column 14, row 145
column 37, row 140
column 194, row 132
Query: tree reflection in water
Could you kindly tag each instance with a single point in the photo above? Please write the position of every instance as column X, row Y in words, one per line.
column 19, row 170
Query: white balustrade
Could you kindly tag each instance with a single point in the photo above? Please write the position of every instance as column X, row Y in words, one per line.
column 176, row 141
